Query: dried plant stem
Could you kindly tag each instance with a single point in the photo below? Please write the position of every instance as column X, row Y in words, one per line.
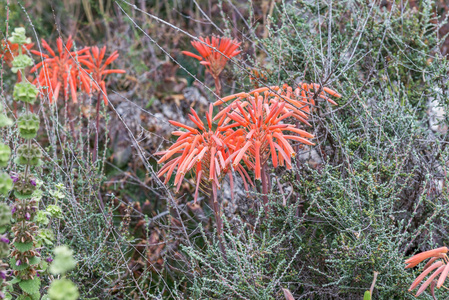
column 373, row 283
column 97, row 125
column 217, row 85
column 6, row 34
column 69, row 119
column 264, row 187
column 218, row 220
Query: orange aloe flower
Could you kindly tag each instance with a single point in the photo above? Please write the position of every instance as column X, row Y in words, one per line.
column 438, row 262
column 259, row 117
column 214, row 54
column 298, row 101
column 60, row 72
column 202, row 150
column 10, row 50
column 215, row 61
column 96, row 66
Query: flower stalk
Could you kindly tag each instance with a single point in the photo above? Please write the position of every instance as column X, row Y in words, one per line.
column 24, row 256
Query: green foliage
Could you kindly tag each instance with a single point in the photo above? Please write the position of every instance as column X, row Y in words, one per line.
column 25, row 92
column 30, row 286
column 23, row 266
column 5, row 183
column 5, row 214
column 46, row 236
column 20, row 62
column 4, row 249
column 63, row 261
column 5, row 121
column 378, row 194
column 35, row 296
column 63, row 289
column 54, row 211
column 28, row 154
column 42, row 218
column 24, row 186
column 5, row 153
column 18, row 36
column 28, row 125
column 22, row 247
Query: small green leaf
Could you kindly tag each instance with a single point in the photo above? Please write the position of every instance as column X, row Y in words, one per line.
column 55, row 211
column 14, row 281
column 35, row 296
column 14, row 266
column 367, row 296
column 46, row 236
column 41, row 218
column 22, row 247
column 43, row 265
column 30, row 286
column 34, row 260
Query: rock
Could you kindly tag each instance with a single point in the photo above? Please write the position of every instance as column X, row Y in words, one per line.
column 437, row 114
column 121, row 136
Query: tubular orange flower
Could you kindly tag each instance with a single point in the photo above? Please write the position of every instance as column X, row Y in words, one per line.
column 214, row 52
column 443, row 276
column 441, row 266
column 59, row 72
column 95, row 65
column 415, row 260
column 429, row 281
column 424, row 274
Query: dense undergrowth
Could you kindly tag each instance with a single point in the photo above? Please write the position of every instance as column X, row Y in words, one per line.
column 370, row 193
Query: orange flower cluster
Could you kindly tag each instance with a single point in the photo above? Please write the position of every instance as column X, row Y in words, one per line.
column 62, row 71
column 97, row 68
column 204, row 150
column 249, row 132
column 438, row 262
column 299, row 101
column 9, row 50
column 215, row 61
